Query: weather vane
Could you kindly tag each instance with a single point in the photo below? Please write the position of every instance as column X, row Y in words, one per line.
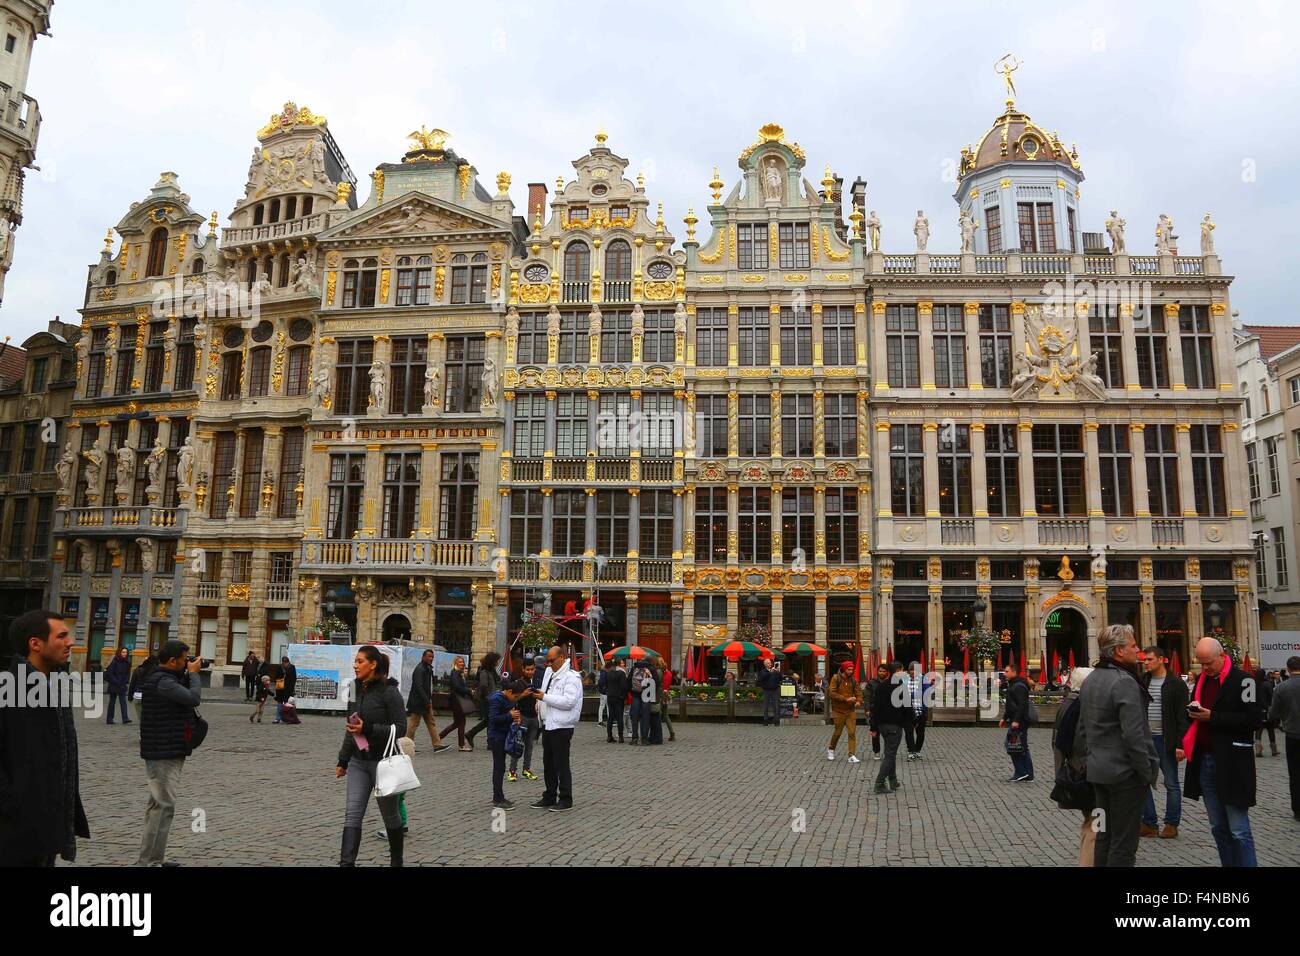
column 1004, row 68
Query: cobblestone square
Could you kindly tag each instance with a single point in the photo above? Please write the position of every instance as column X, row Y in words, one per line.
column 722, row 794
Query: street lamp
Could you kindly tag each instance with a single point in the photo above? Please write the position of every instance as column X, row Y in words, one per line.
column 1216, row 614
column 978, row 609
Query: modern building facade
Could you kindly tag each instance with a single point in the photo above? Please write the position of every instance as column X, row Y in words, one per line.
column 1268, row 368
column 20, row 116
column 592, row 473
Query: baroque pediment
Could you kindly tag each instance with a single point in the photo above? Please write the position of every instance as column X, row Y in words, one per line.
column 413, row 214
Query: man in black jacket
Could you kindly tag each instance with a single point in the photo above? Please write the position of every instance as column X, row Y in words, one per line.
column 891, row 711
column 419, row 702
column 167, row 724
column 1167, row 715
column 616, row 688
column 1221, row 761
column 769, row 679
column 40, row 795
column 288, row 678
column 250, row 675
column 869, row 692
column 1016, row 719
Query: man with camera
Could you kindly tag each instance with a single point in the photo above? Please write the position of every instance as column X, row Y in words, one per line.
column 170, row 730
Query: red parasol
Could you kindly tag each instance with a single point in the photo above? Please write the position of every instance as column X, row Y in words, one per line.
column 889, row 649
column 857, row 666
column 965, row 660
column 1024, row 671
column 1072, row 658
column 1178, row 671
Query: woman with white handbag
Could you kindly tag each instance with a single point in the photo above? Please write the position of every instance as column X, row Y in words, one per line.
column 369, row 758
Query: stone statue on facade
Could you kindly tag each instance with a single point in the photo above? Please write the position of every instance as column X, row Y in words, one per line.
column 1088, row 372
column 638, row 320
column 146, row 554
column 431, row 385
column 680, row 319
column 94, row 467
column 490, row 385
column 593, row 321
column 125, row 470
column 86, row 554
column 155, row 463
column 553, row 321
column 1164, row 235
column 378, row 384
column 873, row 230
column 185, row 467
column 318, row 163
column 1115, row 229
column 1207, row 236
column 320, row 386
column 63, row 469
column 773, row 187
column 921, row 228
column 263, row 285
column 306, row 278
column 83, row 349
column 967, row 225
column 512, row 321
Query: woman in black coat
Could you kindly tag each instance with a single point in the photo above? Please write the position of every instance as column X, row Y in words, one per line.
column 462, row 704
column 379, row 715
column 489, row 682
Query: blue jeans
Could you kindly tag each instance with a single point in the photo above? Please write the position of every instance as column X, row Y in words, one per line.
column 771, row 702
column 634, row 716
column 1230, row 825
column 1173, row 790
column 115, row 697
column 1023, row 763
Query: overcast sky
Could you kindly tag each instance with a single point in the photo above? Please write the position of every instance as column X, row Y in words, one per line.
column 1176, row 107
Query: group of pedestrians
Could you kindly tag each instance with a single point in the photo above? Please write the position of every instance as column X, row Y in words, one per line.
column 1128, row 723
column 636, row 701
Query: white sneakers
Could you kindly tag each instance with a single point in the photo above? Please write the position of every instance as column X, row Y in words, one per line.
column 830, row 755
column 854, row 759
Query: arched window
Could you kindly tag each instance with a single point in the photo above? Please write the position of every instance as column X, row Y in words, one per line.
column 252, row 272
column 282, row 279
column 577, row 262
column 360, row 283
column 110, row 277
column 306, row 205
column 275, row 210
column 291, row 208
column 259, row 214
column 157, row 253
column 299, row 370
column 618, row 261
column 196, row 267
column 268, row 268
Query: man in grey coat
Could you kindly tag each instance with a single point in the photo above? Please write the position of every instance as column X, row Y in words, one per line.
column 1122, row 760
column 1285, row 709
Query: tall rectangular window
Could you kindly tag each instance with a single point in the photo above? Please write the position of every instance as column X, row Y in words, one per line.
column 993, row 228
column 841, row 425
column 755, row 336
column 711, row 525
column 41, row 536
column 18, row 528
column 232, row 375
column 154, row 357
column 906, row 470
column 530, row 425
column 655, row 524
column 1058, row 471
column 902, row 346
column 1152, row 350
column 842, row 525
column 995, row 346
column 250, row 479
column 613, row 514
column 575, row 341
column 1002, row 470
column 838, row 335
column 1208, row 471
column 571, row 419
column 711, row 426
column 1106, row 341
column 458, row 493
column 95, row 362
column 1279, row 559
column 1116, row 466
column 407, row 365
column 613, row 425
column 352, row 376
column 125, row 361
column 569, row 523
column 290, row 472
column 1261, row 563
column 401, row 493
column 530, row 346
column 949, row 338
column 347, row 484
column 1162, row 470
column 525, row 523
column 1274, row 478
column 414, row 280
column 27, row 459
column 755, row 525
column 259, row 372
column 794, row 244
column 797, row 523
column 223, row 473
column 464, row 373
column 1198, row 346
column 616, row 337
column 751, row 246
column 185, row 357
column 659, row 341
column 1252, row 470
column 954, row 471
column 710, row 337
column 7, row 449
column 1037, row 227
column 281, row 567
column 1072, row 227
column 658, row 424
column 796, row 426
column 796, row 337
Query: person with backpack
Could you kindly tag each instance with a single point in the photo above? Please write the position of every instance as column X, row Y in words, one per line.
column 137, row 678
column 502, row 713
column 170, row 730
column 1072, row 790
column 616, row 688
column 1016, row 718
column 845, row 698
column 489, row 682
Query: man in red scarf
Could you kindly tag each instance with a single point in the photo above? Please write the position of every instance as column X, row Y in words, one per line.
column 1220, row 750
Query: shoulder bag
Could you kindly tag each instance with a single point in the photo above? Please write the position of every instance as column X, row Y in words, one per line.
column 394, row 774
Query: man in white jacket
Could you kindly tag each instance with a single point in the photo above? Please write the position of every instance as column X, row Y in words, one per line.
column 559, row 709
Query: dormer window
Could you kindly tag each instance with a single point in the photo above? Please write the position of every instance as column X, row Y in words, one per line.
column 259, row 214
column 196, row 267
column 110, row 277
column 578, row 214
column 157, row 253
column 618, row 212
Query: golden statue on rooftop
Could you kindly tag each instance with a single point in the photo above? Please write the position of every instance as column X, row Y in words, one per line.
column 430, row 139
column 1004, row 68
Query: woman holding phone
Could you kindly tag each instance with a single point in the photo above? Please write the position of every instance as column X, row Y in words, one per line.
column 462, row 704
column 379, row 711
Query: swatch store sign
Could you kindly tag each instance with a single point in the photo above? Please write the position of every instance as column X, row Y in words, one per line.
column 1275, row 647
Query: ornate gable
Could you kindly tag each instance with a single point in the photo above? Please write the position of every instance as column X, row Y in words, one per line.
column 414, row 214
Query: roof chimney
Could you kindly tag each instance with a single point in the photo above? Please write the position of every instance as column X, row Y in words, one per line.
column 536, row 202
